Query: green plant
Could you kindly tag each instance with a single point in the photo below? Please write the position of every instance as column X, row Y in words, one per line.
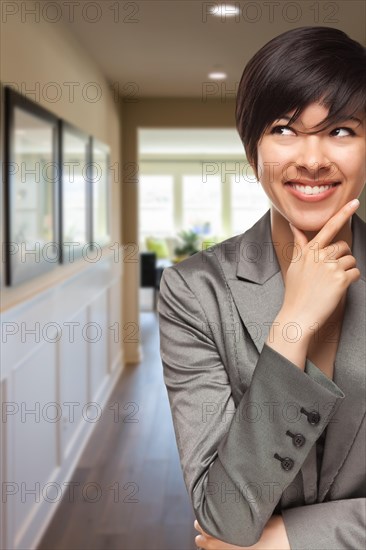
column 189, row 245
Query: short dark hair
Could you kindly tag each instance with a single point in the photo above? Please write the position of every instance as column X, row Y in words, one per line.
column 294, row 69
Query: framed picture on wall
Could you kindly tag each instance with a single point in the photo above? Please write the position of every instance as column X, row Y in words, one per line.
column 31, row 189
column 75, row 211
column 101, row 193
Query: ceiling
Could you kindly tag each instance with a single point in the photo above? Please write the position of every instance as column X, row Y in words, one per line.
column 165, row 48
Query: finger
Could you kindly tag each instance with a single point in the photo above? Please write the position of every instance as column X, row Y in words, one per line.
column 199, row 541
column 347, row 262
column 335, row 223
column 199, row 528
column 353, row 274
column 336, row 250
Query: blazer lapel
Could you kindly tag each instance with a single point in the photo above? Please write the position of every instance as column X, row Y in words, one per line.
column 257, row 286
column 258, row 291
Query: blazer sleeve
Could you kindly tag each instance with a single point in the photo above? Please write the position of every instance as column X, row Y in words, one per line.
column 338, row 524
column 227, row 453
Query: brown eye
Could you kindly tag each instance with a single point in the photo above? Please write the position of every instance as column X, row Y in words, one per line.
column 275, row 128
column 352, row 133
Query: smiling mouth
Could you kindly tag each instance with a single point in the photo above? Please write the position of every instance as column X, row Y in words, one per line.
column 312, row 190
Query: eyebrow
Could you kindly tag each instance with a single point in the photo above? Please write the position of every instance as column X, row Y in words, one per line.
column 343, row 119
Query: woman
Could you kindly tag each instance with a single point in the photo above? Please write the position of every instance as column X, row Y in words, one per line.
column 262, row 335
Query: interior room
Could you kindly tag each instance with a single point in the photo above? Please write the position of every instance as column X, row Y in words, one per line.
column 120, row 159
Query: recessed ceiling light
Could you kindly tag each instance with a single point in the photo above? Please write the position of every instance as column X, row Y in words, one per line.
column 217, row 75
column 224, row 10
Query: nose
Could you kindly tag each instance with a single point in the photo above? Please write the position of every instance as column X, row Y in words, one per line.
column 312, row 156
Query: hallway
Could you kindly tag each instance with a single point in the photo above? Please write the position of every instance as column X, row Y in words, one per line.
column 129, row 491
column 129, row 142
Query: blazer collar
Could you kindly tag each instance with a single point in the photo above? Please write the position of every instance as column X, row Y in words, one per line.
column 258, row 292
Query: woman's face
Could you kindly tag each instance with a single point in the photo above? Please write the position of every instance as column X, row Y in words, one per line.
column 337, row 154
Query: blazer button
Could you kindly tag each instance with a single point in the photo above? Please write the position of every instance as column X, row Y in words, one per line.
column 286, row 463
column 313, row 416
column 297, row 439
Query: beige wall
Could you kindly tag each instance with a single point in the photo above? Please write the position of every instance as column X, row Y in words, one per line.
column 33, row 55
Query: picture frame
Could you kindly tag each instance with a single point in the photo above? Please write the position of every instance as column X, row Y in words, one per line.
column 100, row 194
column 75, row 203
column 31, row 190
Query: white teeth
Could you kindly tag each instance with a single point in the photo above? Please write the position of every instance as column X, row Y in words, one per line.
column 307, row 190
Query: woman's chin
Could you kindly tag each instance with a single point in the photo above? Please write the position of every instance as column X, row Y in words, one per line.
column 310, row 228
column 310, row 225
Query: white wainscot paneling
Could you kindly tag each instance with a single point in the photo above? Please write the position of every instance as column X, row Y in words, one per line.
column 96, row 336
column 51, row 371
column 33, row 424
column 73, row 381
column 115, row 324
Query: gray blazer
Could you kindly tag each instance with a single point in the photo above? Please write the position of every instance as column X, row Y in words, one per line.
column 246, row 419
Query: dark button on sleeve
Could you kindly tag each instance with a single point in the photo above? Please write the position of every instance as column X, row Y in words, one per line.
column 297, row 439
column 313, row 416
column 286, row 463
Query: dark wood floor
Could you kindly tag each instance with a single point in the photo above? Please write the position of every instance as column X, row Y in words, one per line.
column 131, row 470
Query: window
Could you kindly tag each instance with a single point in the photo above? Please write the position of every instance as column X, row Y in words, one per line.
column 156, row 205
column 176, row 196
column 202, row 204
